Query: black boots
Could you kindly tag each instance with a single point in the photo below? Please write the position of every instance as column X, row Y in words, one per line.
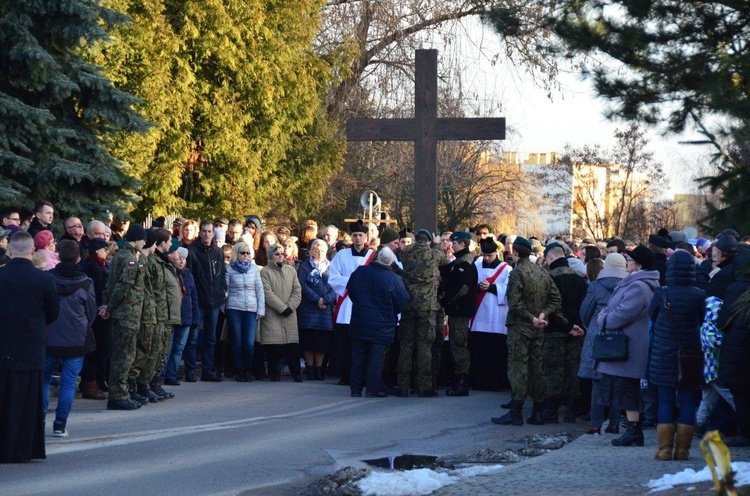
column 536, row 417
column 633, row 436
column 318, row 374
column 459, row 388
column 133, row 391
column 145, row 391
column 513, row 417
column 549, row 414
column 309, row 373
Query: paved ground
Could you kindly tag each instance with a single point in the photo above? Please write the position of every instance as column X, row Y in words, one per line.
column 589, row 466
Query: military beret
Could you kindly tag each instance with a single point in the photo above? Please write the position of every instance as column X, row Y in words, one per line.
column 460, row 235
column 660, row 241
column 425, row 232
column 521, row 241
column 388, row 235
column 726, row 244
column 554, row 244
column 97, row 244
column 174, row 245
column 488, row 245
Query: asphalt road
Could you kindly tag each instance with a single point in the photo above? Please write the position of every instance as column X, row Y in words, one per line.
column 258, row 437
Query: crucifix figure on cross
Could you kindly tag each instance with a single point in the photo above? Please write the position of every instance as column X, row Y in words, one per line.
column 425, row 129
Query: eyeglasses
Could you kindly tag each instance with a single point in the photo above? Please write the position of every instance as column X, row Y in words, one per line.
column 76, row 226
column 17, row 219
column 629, row 259
column 243, row 253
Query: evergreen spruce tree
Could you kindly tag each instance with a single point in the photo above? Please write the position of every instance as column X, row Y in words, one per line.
column 58, row 112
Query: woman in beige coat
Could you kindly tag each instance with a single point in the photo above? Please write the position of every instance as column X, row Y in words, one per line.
column 278, row 331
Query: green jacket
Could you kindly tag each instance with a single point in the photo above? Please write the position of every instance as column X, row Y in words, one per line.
column 125, row 290
column 149, row 297
column 530, row 292
column 421, row 275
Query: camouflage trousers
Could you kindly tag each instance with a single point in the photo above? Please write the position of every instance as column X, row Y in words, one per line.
column 562, row 357
column 147, row 334
column 437, row 347
column 154, row 363
column 525, row 365
column 459, row 341
column 123, row 355
column 416, row 334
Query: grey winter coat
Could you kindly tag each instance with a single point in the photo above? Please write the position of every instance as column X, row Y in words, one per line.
column 282, row 290
column 597, row 297
column 245, row 291
column 627, row 311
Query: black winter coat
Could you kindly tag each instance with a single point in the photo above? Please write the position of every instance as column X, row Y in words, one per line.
column 378, row 295
column 28, row 303
column 206, row 263
column 71, row 333
column 734, row 361
column 572, row 289
column 458, row 284
column 687, row 304
column 660, row 264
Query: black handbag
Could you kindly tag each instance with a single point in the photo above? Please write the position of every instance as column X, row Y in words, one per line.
column 610, row 346
column 689, row 361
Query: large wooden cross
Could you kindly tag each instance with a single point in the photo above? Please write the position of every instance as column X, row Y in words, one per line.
column 425, row 130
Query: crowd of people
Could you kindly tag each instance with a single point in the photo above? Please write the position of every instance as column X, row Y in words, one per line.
column 131, row 310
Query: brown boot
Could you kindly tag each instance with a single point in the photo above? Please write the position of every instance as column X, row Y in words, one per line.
column 683, row 440
column 665, row 437
column 91, row 391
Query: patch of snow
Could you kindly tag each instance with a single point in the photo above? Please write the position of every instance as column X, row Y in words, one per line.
column 418, row 481
column 689, row 476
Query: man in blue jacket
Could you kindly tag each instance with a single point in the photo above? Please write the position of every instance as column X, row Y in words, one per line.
column 378, row 295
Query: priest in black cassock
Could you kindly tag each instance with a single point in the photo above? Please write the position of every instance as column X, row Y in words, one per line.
column 487, row 336
column 28, row 303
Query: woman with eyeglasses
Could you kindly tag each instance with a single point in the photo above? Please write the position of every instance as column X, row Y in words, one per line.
column 278, row 332
column 44, row 242
column 627, row 311
column 244, row 308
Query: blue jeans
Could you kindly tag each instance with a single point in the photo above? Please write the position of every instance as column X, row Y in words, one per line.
column 242, row 326
column 686, row 399
column 179, row 339
column 210, row 318
column 70, row 368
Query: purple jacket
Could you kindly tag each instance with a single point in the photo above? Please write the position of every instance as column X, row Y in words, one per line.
column 627, row 311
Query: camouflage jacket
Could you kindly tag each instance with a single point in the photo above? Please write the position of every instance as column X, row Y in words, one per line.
column 156, row 267
column 421, row 275
column 149, row 301
column 125, row 289
column 531, row 291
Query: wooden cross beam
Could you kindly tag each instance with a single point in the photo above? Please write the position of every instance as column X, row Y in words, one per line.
column 425, row 130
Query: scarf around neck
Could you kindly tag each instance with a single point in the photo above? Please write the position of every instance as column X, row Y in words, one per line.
column 242, row 266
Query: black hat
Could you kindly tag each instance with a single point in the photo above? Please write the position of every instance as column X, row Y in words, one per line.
column 159, row 222
column 726, row 244
column 663, row 233
column 405, row 233
column 97, row 244
column 136, row 232
column 488, row 245
column 730, row 232
column 150, row 238
column 642, row 256
column 358, row 226
column 659, row 240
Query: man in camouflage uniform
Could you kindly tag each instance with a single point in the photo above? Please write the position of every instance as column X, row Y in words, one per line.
column 437, row 347
column 147, row 333
column 562, row 337
column 417, row 329
column 532, row 296
column 123, row 300
column 458, row 280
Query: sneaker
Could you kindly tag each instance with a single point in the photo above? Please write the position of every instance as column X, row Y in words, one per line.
column 60, row 433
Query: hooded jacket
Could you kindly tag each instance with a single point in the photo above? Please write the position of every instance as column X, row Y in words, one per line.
column 684, row 317
column 597, row 296
column 71, row 333
column 627, row 311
